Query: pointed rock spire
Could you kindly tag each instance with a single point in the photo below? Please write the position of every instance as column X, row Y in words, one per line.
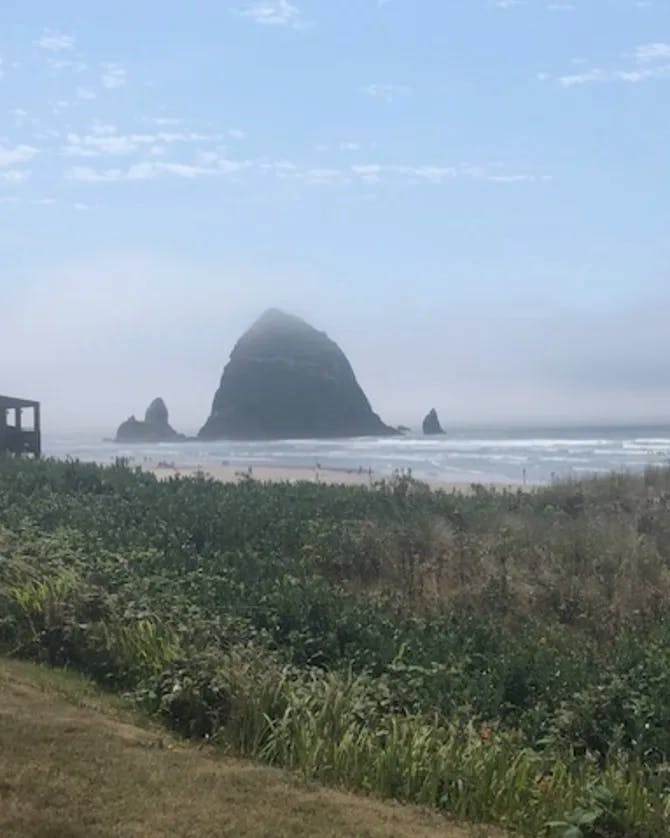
column 431, row 424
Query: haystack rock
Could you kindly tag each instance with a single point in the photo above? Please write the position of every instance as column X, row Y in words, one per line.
column 431, row 424
column 155, row 428
column 286, row 380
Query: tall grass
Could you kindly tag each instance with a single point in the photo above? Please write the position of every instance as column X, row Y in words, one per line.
column 502, row 657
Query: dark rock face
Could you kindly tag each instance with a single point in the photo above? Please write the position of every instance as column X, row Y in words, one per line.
column 157, row 414
column 286, row 380
column 431, row 424
column 155, row 428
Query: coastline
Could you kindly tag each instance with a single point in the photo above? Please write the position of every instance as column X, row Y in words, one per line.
column 229, row 473
column 461, row 459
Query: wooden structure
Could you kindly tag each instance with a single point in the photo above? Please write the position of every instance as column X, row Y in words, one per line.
column 18, row 434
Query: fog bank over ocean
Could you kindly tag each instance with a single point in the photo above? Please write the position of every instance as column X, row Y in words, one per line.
column 125, row 331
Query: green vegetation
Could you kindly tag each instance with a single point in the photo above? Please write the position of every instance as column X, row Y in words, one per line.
column 502, row 657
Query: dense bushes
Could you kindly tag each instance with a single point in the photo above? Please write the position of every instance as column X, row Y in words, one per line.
column 501, row 656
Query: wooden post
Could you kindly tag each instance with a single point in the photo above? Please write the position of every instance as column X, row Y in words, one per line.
column 38, row 432
column 17, row 414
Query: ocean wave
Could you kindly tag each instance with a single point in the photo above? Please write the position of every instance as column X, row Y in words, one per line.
column 479, row 457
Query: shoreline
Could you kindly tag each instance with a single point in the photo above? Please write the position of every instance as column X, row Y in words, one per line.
column 230, row 473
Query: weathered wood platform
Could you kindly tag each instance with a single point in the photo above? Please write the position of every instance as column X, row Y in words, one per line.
column 18, row 434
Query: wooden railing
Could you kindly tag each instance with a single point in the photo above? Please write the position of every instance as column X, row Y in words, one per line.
column 19, row 441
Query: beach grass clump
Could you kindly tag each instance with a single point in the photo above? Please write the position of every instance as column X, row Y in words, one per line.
column 503, row 657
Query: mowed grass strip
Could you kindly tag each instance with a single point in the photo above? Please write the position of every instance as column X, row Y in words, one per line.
column 74, row 763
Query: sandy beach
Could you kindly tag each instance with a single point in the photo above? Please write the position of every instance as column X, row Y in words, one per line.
column 228, row 473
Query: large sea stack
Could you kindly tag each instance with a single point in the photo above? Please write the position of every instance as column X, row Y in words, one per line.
column 155, row 428
column 286, row 380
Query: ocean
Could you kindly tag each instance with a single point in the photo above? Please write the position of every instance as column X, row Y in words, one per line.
column 533, row 455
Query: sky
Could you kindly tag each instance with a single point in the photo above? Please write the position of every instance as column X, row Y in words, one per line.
column 469, row 196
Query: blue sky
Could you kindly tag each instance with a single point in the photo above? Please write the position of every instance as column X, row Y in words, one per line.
column 470, row 196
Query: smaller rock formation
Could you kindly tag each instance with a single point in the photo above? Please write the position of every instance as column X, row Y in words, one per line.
column 431, row 424
column 403, row 429
column 154, row 428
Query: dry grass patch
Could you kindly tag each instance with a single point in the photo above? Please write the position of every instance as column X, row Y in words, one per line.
column 75, row 764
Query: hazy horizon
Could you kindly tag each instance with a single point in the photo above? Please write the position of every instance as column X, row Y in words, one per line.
column 466, row 197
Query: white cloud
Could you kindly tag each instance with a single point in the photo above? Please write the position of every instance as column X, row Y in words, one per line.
column 632, row 76
column 387, row 92
column 652, row 61
column 349, row 146
column 660, row 71
column 55, row 41
column 14, row 176
column 76, row 65
column 88, row 175
column 523, row 178
column 282, row 169
column 214, row 164
column 323, row 176
column 20, row 116
column 208, row 158
column 575, row 79
column 237, row 134
column 47, row 134
column 648, row 53
column 103, row 140
column 151, row 169
column 508, row 4
column 113, row 76
column 369, row 173
column 93, row 145
column 431, row 174
column 437, row 175
column 85, row 93
column 166, row 121
column 102, row 128
column 18, row 154
column 275, row 13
